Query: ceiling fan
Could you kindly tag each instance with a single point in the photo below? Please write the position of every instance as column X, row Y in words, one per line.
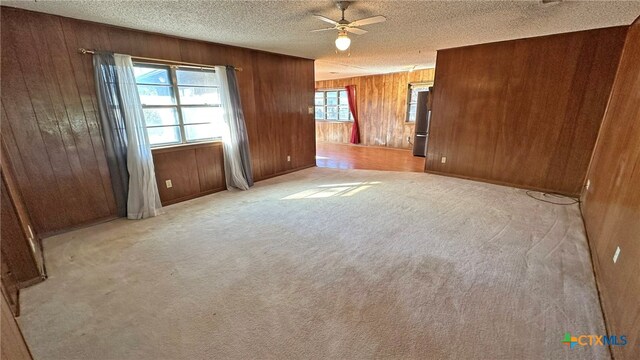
column 344, row 26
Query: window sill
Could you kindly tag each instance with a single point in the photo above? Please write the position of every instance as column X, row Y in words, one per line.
column 177, row 147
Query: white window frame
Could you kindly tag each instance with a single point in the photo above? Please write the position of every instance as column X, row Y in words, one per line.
column 324, row 100
column 410, row 101
column 177, row 103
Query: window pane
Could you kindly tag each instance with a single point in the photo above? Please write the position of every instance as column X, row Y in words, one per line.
column 160, row 116
column 164, row 135
column 412, row 112
column 199, row 95
column 196, row 77
column 415, row 90
column 344, row 113
column 151, row 75
column 320, row 101
column 332, row 113
column 191, row 115
column 344, row 100
column 414, row 95
column 155, row 95
column 319, row 112
column 332, row 98
column 320, row 94
column 203, row 131
column 332, row 101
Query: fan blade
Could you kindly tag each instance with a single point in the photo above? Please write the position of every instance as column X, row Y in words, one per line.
column 369, row 21
column 325, row 29
column 326, row 19
column 356, row 30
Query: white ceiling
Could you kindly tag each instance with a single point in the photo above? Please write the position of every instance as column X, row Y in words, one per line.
column 414, row 30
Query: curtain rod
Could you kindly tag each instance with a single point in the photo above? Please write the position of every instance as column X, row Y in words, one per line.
column 87, row 51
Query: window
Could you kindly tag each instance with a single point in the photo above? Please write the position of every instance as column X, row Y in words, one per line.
column 181, row 104
column 332, row 105
column 412, row 104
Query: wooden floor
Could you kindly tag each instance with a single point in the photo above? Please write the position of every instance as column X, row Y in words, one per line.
column 347, row 156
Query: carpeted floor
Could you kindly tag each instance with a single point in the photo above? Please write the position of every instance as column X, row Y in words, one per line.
column 323, row 263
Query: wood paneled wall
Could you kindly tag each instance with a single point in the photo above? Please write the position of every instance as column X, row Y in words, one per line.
column 523, row 112
column 50, row 119
column 20, row 245
column 382, row 108
column 611, row 205
column 16, row 245
column 12, row 346
column 194, row 170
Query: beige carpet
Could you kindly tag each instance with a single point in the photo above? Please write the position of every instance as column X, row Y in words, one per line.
column 323, row 263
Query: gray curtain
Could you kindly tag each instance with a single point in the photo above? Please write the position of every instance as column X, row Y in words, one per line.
column 143, row 199
column 125, row 136
column 237, row 157
column 113, row 128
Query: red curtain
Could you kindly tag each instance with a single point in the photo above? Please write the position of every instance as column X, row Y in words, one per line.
column 353, row 107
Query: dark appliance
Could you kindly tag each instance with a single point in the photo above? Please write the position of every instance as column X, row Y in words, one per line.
column 423, row 115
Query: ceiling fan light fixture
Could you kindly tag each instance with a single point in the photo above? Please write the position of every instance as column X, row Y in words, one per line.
column 343, row 42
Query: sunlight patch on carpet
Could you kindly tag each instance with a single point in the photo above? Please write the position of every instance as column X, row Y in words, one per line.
column 332, row 190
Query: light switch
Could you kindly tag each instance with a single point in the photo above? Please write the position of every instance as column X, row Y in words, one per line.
column 443, row 160
column 169, row 184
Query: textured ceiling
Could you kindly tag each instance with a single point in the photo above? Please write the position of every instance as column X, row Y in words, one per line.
column 414, row 30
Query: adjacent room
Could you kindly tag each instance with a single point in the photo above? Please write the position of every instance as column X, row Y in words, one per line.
column 320, row 179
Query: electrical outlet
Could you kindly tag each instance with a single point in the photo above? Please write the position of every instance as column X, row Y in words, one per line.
column 288, row 158
column 586, row 186
column 616, row 254
column 311, row 110
column 443, row 160
column 169, row 184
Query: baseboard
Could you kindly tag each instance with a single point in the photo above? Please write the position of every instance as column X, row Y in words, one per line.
column 367, row 146
column 31, row 282
column 192, row 196
column 502, row 183
column 209, row 192
column 164, row 203
column 79, row 226
column 286, row 172
column 595, row 264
